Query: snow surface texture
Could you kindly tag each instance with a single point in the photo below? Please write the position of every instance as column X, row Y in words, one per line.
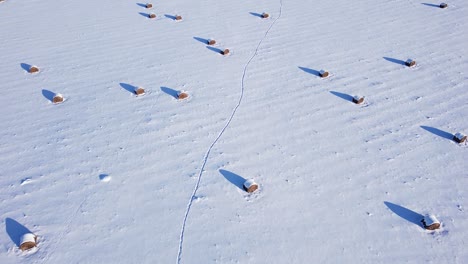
column 340, row 182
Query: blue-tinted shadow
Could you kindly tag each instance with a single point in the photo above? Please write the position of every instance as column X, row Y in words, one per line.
column 394, row 60
column 49, row 95
column 202, row 40
column 255, row 14
column 170, row 16
column 344, row 96
column 130, row 88
column 233, row 178
column 438, row 132
column 15, row 230
column 214, row 49
column 25, row 66
column 170, row 91
column 405, row 213
column 431, row 5
column 310, row 71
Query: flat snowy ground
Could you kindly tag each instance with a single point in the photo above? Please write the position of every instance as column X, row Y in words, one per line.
column 108, row 177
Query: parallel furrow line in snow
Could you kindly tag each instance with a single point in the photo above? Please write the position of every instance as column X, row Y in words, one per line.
column 207, row 154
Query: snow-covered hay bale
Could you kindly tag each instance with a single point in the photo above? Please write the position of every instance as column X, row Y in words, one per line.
column 139, row 91
column 33, row 69
column 182, row 95
column 149, row 5
column 443, row 5
column 250, row 186
column 211, row 42
column 430, row 222
column 225, row 52
column 358, row 99
column 57, row 99
column 177, row 17
column 459, row 138
column 323, row 74
column 410, row 63
column 28, row 241
column 265, row 15
column 152, row 15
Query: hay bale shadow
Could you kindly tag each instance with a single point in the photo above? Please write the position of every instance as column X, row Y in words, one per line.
column 214, row 49
column 202, row 40
column 406, row 213
column 49, row 95
column 256, row 14
column 25, row 66
column 343, row 96
column 394, row 60
column 438, row 132
column 142, row 5
column 15, row 230
column 170, row 16
column 431, row 5
column 233, row 178
column 170, row 92
column 310, row 71
column 130, row 88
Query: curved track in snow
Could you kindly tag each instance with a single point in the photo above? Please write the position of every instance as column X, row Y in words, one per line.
column 207, row 154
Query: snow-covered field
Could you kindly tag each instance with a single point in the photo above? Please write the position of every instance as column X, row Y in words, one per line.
column 109, row 177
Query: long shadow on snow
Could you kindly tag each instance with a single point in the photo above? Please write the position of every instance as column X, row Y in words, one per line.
column 311, row 71
column 144, row 14
column 49, row 95
column 142, row 5
column 170, row 16
column 405, row 213
column 431, row 5
column 214, row 49
column 15, row 230
column 438, row 132
column 394, row 60
column 344, row 96
column 202, row 40
column 233, row 178
column 170, row 91
column 255, row 14
column 130, row 88
column 25, row 66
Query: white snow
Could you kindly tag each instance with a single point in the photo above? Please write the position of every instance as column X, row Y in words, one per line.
column 340, row 183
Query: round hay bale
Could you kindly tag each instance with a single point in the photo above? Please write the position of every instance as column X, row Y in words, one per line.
column 211, row 42
column 148, row 5
column 430, row 222
column 152, row 15
column 443, row 5
column 33, row 69
column 182, row 95
column 250, row 186
column 139, row 91
column 178, row 17
column 28, row 241
column 225, row 52
column 265, row 15
column 323, row 74
column 459, row 138
column 58, row 98
column 410, row 63
column 358, row 99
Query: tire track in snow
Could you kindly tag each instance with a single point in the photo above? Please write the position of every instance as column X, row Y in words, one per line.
column 207, row 154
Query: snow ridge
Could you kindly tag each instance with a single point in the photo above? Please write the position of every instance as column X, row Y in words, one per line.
column 205, row 159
